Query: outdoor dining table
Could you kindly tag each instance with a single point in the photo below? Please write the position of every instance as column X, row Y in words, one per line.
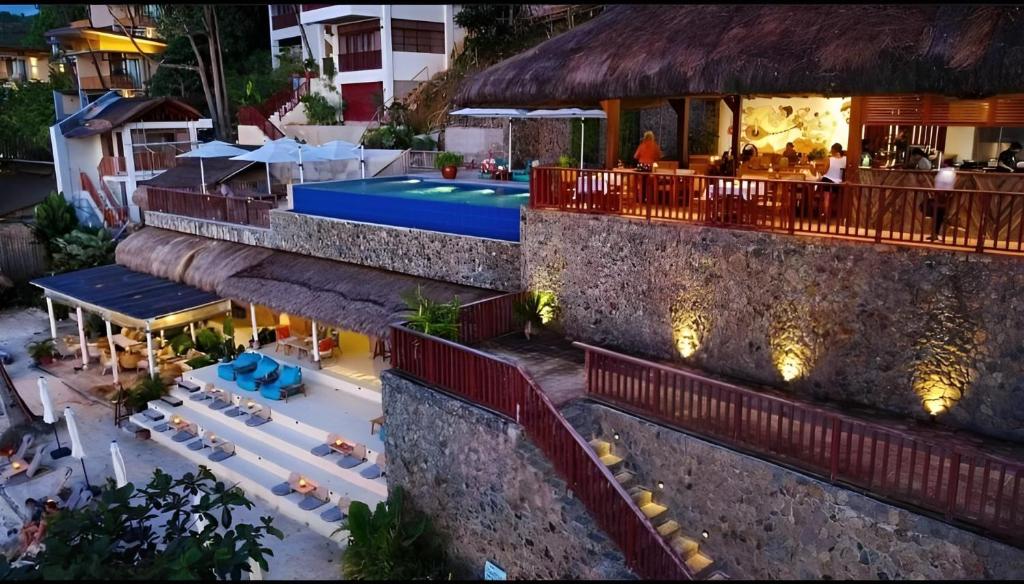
column 128, row 344
column 302, row 346
column 178, row 423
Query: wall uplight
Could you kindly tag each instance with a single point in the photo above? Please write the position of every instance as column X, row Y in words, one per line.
column 615, row 436
column 943, row 370
column 661, row 485
column 790, row 367
column 687, row 341
column 705, row 534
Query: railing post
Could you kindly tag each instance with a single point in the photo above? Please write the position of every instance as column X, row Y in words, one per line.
column 792, row 208
column 834, row 462
column 879, row 214
column 953, row 484
column 983, row 223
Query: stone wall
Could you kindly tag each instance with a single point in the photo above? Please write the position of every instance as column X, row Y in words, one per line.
column 489, row 490
column 768, row 522
column 486, row 263
column 891, row 327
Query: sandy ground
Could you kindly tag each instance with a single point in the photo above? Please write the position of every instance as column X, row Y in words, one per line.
column 301, row 555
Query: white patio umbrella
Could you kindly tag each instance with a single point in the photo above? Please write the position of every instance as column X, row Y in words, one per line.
column 120, row 473
column 50, row 417
column 572, row 112
column 76, row 440
column 281, row 150
column 214, row 149
column 341, row 150
column 257, row 571
column 200, row 522
column 476, row 112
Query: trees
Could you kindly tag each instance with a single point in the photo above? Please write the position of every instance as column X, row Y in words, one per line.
column 150, row 533
column 83, row 249
column 26, row 114
column 55, row 217
column 52, row 16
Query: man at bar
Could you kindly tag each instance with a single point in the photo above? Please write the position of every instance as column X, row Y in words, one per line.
column 918, row 161
column 1008, row 158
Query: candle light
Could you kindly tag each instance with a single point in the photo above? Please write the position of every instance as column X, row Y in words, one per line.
column 302, row 482
column 176, row 420
column 337, row 442
column 16, row 465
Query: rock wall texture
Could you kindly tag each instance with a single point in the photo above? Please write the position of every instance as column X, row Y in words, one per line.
column 897, row 328
column 489, row 490
column 768, row 522
column 485, row 263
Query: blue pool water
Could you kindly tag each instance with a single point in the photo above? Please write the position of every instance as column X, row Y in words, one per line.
column 463, row 208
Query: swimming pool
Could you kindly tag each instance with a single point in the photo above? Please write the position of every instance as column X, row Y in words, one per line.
column 463, row 208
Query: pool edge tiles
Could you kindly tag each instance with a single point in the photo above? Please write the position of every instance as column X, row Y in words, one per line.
column 332, row 199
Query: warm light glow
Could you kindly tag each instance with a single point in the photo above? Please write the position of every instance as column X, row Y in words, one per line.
column 687, row 341
column 337, row 442
column 944, row 369
column 705, row 534
column 790, row 367
column 250, row 404
column 176, row 420
column 212, row 437
column 548, row 313
column 302, row 482
column 16, row 465
column 615, row 435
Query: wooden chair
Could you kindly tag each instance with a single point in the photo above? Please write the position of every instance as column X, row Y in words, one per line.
column 326, row 348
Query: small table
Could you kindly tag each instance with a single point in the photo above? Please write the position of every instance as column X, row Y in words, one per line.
column 304, row 490
column 344, row 448
column 17, row 467
column 182, row 423
column 501, row 175
column 130, row 345
column 375, row 424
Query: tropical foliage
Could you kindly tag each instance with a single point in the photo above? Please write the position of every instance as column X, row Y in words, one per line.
column 535, row 310
column 55, row 217
column 41, row 349
column 427, row 316
column 393, row 542
column 83, row 249
column 151, row 533
column 319, row 111
column 390, row 137
column 26, row 114
column 448, row 159
column 147, row 389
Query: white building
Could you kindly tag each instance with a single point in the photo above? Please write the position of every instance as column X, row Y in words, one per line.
column 103, row 150
column 380, row 51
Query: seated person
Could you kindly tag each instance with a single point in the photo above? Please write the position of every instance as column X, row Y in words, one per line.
column 918, row 161
column 1009, row 158
column 30, row 532
column 791, row 154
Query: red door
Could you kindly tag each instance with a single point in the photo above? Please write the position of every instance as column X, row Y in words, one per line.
column 361, row 100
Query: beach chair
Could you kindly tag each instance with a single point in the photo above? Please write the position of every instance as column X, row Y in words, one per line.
column 317, row 498
column 337, row 512
column 325, row 448
column 285, row 488
column 203, row 394
column 186, row 433
column 282, row 334
column 222, row 451
column 221, row 400
column 375, row 470
column 246, row 362
column 259, row 417
column 35, row 466
column 354, row 458
column 26, row 442
column 288, row 383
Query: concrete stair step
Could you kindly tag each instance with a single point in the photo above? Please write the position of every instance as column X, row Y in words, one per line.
column 610, row 460
column 652, row 510
column 601, row 447
column 668, row 528
column 685, row 546
column 624, row 477
column 698, row 562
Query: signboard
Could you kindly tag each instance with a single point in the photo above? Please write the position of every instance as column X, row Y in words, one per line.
column 492, row 572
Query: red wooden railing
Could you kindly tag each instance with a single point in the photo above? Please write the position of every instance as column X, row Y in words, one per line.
column 508, row 390
column 238, row 210
column 144, row 161
column 488, row 318
column 964, row 219
column 250, row 116
column 361, row 61
column 947, row 476
column 114, row 214
column 285, row 19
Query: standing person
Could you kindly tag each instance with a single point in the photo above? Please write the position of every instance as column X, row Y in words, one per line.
column 648, row 152
column 1009, row 158
column 834, row 175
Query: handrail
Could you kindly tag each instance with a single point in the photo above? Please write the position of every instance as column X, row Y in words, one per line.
column 931, row 471
column 250, row 116
column 975, row 220
column 488, row 318
column 113, row 215
column 509, row 390
column 22, row 405
column 240, row 210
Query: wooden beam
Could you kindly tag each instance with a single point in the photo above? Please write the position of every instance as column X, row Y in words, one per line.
column 682, row 107
column 735, row 104
column 853, row 142
column 613, row 109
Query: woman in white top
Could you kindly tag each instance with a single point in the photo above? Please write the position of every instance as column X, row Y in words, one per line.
column 836, row 165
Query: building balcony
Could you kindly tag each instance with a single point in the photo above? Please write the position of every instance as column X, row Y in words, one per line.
column 115, row 81
column 364, row 61
column 288, row 19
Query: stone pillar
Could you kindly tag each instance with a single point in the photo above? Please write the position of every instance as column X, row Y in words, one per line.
column 81, row 337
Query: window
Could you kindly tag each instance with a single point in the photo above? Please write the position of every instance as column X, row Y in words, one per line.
column 703, row 126
column 281, row 9
column 361, row 42
column 18, row 70
column 415, row 36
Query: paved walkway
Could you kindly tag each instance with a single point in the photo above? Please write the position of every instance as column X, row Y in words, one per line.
column 554, row 363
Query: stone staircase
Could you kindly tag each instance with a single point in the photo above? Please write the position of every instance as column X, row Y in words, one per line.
column 658, row 514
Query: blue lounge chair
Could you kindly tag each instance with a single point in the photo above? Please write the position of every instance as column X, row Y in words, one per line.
column 320, row 450
column 226, row 371
column 266, row 371
column 281, row 489
column 288, row 383
column 318, row 498
column 222, row 452
column 222, row 401
column 246, row 362
column 196, row 445
column 182, row 436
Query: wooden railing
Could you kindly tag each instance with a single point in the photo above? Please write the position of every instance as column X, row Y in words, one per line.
column 279, row 21
column 284, row 100
column 963, row 219
column 506, row 389
column 144, row 161
column 362, row 61
column 250, row 116
column 933, row 472
column 238, row 210
column 113, row 81
column 114, row 214
column 423, row 159
column 488, row 318
column 22, row 405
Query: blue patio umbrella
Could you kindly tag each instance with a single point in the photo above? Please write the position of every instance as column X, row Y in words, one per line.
column 281, row 150
column 214, row 149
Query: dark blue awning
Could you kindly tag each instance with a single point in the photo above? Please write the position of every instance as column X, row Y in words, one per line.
column 131, row 298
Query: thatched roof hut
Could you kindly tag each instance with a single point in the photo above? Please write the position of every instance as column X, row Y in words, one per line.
column 362, row 299
column 645, row 51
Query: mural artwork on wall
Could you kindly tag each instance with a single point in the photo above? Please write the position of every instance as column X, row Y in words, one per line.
column 809, row 123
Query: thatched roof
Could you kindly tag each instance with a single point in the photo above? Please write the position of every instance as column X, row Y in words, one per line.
column 359, row 298
column 644, row 51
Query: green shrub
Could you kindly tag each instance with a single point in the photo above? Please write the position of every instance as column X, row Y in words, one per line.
column 147, row 389
column 181, row 344
column 389, row 137
column 433, row 318
column 566, row 161
column 83, row 249
column 55, row 217
column 209, row 341
column 393, row 542
column 41, row 349
column 448, row 159
column 423, row 142
column 200, row 362
column 534, row 311
column 319, row 112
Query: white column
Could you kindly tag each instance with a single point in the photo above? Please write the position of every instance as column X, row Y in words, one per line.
column 316, row 343
column 53, row 319
column 149, row 353
column 81, row 337
column 255, row 333
column 387, row 57
column 192, row 331
column 129, row 162
column 449, row 34
column 113, row 351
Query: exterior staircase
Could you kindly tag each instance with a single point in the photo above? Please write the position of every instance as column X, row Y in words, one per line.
column 657, row 514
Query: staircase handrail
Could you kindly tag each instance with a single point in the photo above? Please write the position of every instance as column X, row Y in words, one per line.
column 112, row 216
column 22, row 405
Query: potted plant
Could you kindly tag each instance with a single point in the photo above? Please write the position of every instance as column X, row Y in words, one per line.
column 566, row 161
column 42, row 352
column 449, row 163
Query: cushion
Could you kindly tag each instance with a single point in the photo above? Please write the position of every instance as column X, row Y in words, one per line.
column 199, row 396
column 153, row 414
column 271, row 391
column 333, row 514
column 266, row 367
column 182, row 436
column 349, row 461
column 233, row 412
column 226, row 371
column 162, row 427
column 197, row 445
column 281, row 489
column 219, row 455
column 310, row 503
column 188, row 385
column 321, row 450
column 254, row 421
column 290, row 375
column 219, row 404
column 247, row 382
column 371, row 472
column 246, row 362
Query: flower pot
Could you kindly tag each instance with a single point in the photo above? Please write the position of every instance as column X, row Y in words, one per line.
column 449, row 171
column 45, row 360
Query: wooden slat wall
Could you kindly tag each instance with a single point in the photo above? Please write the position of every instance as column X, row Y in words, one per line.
column 942, row 111
column 22, row 256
